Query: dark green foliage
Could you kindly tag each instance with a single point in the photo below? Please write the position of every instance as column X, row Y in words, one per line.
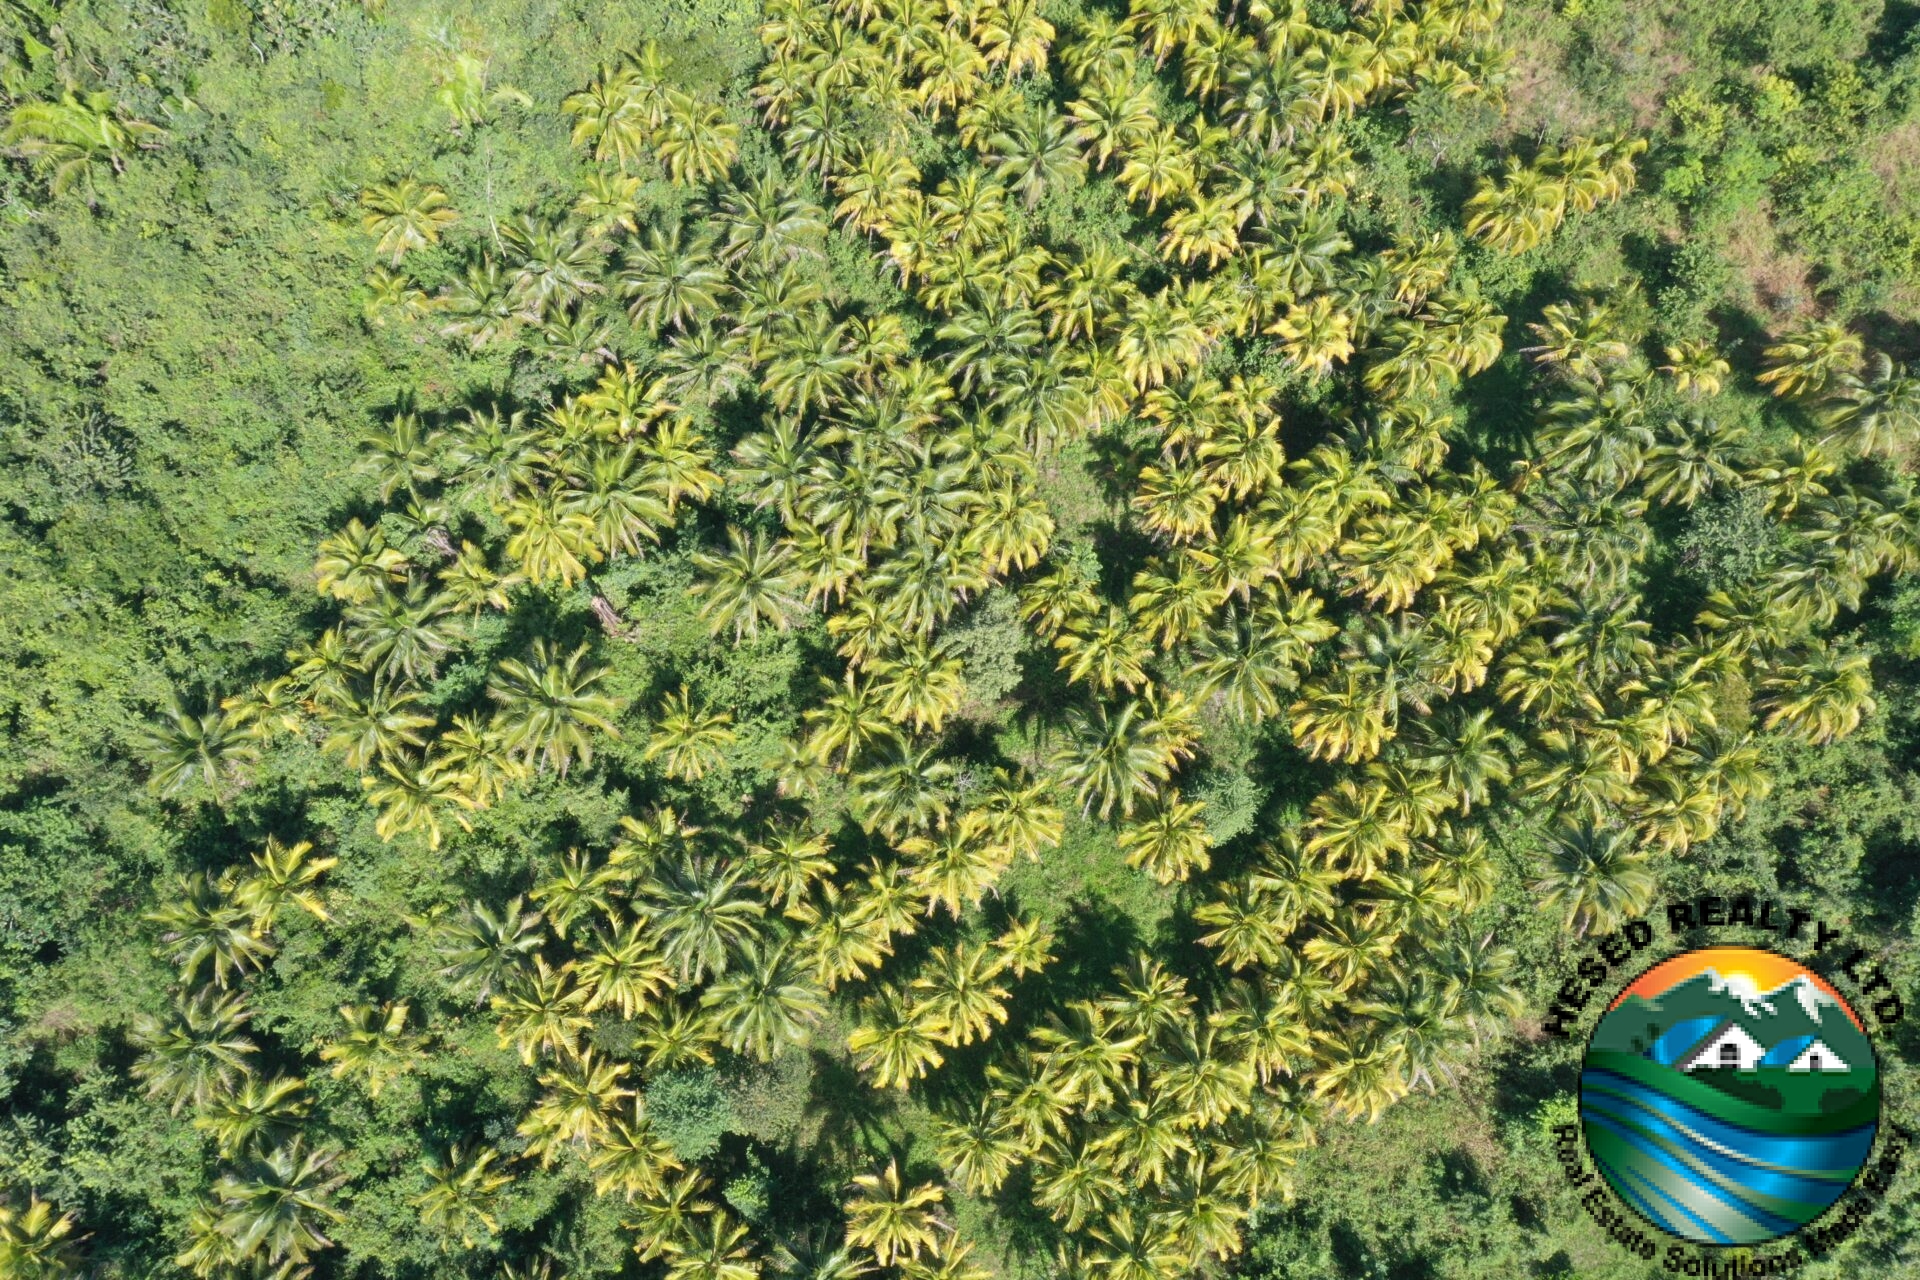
column 690, row 1110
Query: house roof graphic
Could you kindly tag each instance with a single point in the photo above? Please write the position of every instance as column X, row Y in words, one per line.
column 1818, row 1056
column 1728, row 1044
column 1705, row 1043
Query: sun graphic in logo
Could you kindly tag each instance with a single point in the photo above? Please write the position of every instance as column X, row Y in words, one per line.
column 1730, row 1095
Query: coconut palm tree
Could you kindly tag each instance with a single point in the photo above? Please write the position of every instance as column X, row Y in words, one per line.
column 37, row 1242
column 907, row 789
column 484, row 949
column 283, row 875
column 405, row 215
column 202, row 925
column 376, row 1045
column 1822, row 697
column 1596, row 877
column 1076, row 1184
column 258, row 1116
column 621, row 969
column 1034, row 152
column 542, row 1011
column 958, row 988
column 576, row 1108
column 550, row 707
column 1696, row 368
column 695, row 141
column 1170, row 841
column 1692, row 456
column 956, row 867
column 1316, row 334
column 461, row 1192
column 1519, row 210
column 69, row 138
column 754, row 583
column 1120, row 755
column 1876, row 412
column 767, row 1003
column 213, row 750
column 852, row 718
column 632, row 1159
column 716, row 1249
column 689, row 742
column 1810, row 360
column 197, row 1054
column 275, row 1206
column 979, row 1149
column 896, row 1221
column 896, row 1039
column 581, row 889
column 703, row 916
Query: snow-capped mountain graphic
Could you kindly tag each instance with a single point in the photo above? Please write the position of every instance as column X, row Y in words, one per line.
column 1777, row 1025
column 1805, row 992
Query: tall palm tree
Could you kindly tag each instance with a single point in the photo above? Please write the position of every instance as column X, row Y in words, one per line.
column 896, row 1221
column 199, row 1053
column 960, row 992
column 1121, row 754
column 766, row 1004
column 274, row 1207
column 1034, row 152
column 581, row 889
column 1822, row 697
column 576, row 1108
column 689, row 742
column 896, row 1039
column 37, row 1242
column 621, row 969
column 376, row 1045
column 1170, row 841
column 1596, row 877
column 259, row 1115
column 696, row 141
column 542, row 1010
column 703, row 916
column 714, row 1250
column 1808, row 361
column 69, row 138
column 852, row 718
column 461, row 1192
column 549, row 707
column 1519, row 210
column 213, row 750
column 1316, row 335
column 283, row 875
column 484, row 949
column 1876, row 412
column 405, row 215
column 979, row 1149
column 201, row 925
column 752, row 584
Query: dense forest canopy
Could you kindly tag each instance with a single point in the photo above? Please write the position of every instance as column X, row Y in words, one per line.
column 925, row 637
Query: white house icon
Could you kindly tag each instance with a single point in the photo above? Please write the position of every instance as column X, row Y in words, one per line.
column 1818, row 1057
column 1730, row 1046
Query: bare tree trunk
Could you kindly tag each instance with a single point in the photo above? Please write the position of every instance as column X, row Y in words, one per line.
column 609, row 617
